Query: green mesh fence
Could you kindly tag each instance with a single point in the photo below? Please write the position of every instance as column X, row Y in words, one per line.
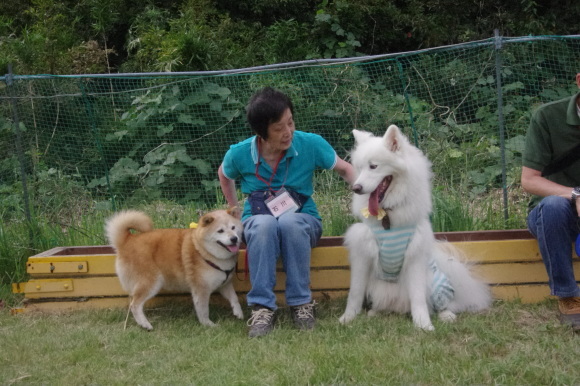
column 126, row 138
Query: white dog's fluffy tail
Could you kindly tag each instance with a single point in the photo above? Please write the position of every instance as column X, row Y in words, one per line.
column 471, row 293
column 119, row 226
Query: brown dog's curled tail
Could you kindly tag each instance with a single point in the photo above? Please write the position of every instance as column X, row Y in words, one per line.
column 118, row 227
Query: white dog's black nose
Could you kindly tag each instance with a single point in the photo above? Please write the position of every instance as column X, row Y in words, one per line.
column 357, row 188
column 234, row 239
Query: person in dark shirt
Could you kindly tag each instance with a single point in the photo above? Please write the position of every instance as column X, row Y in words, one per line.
column 551, row 173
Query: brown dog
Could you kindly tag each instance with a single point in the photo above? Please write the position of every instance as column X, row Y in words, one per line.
column 200, row 260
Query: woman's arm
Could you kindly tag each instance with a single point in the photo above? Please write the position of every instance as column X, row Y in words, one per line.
column 228, row 188
column 345, row 170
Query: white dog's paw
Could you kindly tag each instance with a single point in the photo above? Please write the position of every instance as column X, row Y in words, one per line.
column 347, row 317
column 447, row 316
column 238, row 313
column 426, row 327
column 424, row 323
column 372, row 313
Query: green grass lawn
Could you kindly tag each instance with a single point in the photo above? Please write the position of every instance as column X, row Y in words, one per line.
column 512, row 343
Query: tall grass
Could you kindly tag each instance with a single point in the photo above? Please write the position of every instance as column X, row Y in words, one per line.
column 454, row 209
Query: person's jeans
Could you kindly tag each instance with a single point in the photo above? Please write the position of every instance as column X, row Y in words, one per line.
column 554, row 223
column 291, row 236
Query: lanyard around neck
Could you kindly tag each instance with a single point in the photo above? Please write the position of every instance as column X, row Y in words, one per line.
column 269, row 182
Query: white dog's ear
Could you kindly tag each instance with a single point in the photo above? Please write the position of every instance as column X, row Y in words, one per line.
column 393, row 138
column 361, row 136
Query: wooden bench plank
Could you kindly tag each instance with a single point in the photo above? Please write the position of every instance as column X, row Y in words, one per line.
column 500, row 251
column 329, row 256
column 508, row 273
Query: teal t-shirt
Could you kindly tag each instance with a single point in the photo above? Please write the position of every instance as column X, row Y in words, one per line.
column 307, row 153
column 554, row 130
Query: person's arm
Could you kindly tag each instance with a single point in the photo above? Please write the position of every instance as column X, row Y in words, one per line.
column 345, row 170
column 228, row 188
column 534, row 183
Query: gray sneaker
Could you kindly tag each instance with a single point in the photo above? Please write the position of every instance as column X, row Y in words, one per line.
column 303, row 316
column 261, row 322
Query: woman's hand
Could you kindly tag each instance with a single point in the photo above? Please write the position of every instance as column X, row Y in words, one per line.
column 345, row 170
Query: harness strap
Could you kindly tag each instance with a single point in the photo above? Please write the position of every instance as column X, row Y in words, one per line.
column 442, row 291
column 227, row 272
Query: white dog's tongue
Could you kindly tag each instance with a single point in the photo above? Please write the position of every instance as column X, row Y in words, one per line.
column 374, row 203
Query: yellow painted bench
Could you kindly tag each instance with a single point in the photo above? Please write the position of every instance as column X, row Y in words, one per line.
column 65, row 278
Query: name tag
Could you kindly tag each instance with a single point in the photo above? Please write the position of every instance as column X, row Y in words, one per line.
column 281, row 203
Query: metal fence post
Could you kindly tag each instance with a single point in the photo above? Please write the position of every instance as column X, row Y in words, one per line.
column 500, row 117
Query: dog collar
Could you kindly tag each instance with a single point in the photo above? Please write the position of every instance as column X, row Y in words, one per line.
column 365, row 212
column 382, row 216
column 227, row 272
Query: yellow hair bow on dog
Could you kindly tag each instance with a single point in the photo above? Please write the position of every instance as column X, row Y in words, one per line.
column 193, row 225
column 365, row 212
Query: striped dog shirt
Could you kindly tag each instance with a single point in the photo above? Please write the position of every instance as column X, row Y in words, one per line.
column 393, row 244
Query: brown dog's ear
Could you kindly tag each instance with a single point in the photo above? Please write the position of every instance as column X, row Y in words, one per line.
column 234, row 211
column 206, row 220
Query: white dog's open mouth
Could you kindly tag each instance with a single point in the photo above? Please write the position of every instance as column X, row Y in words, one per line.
column 378, row 194
column 233, row 248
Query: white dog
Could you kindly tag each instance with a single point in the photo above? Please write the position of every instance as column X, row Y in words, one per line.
column 395, row 261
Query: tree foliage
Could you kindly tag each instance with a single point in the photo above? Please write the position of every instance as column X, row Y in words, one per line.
column 90, row 36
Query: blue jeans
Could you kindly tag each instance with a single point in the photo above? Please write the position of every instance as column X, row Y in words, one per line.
column 291, row 236
column 554, row 223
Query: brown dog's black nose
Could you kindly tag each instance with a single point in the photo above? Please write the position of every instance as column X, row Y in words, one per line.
column 357, row 189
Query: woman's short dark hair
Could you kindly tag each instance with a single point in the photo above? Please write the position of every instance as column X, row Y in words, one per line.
column 266, row 107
